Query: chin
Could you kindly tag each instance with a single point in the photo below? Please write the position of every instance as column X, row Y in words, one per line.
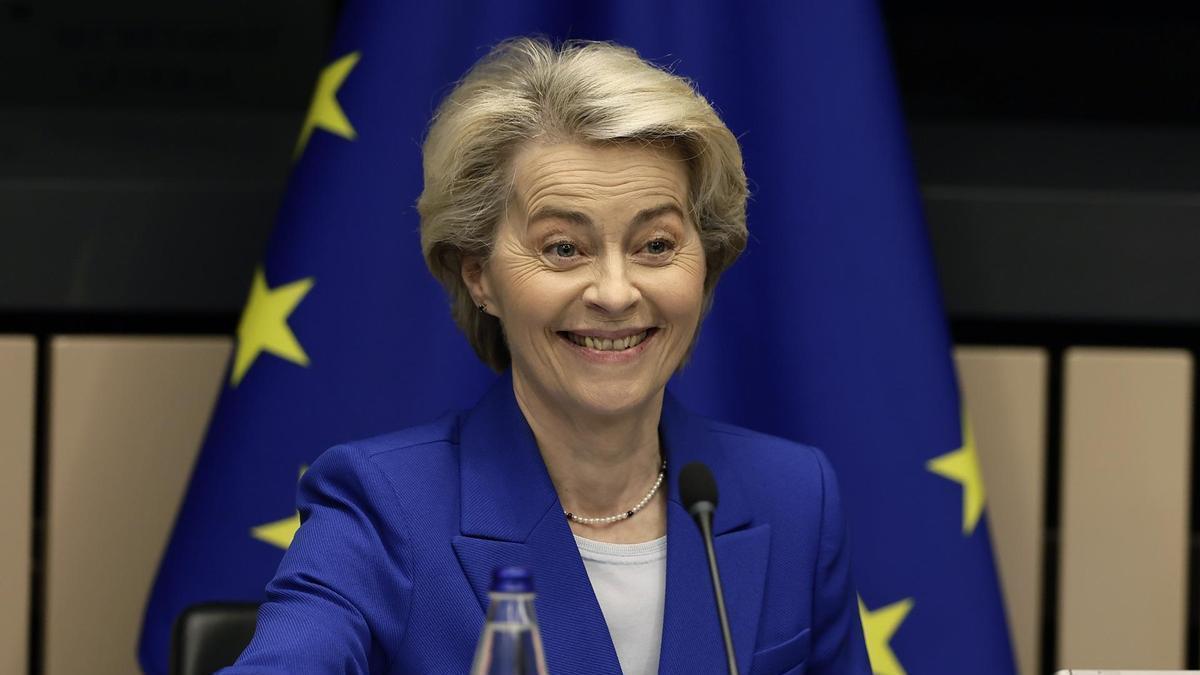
column 613, row 398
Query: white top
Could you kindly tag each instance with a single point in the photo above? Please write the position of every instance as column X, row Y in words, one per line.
column 630, row 581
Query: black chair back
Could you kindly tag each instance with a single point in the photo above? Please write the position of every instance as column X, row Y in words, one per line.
column 211, row 636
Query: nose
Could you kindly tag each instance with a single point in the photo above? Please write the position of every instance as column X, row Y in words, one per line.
column 611, row 290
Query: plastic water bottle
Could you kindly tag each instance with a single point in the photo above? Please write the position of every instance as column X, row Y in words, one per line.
column 510, row 643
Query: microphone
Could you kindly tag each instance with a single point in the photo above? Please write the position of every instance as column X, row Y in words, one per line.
column 698, row 489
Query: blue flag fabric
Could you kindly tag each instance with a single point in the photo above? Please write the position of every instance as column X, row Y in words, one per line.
column 829, row 330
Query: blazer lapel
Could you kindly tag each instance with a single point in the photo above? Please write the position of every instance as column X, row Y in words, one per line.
column 691, row 640
column 510, row 515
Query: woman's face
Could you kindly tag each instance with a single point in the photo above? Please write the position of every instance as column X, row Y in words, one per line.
column 597, row 274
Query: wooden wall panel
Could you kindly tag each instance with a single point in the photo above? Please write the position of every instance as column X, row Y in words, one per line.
column 1125, row 503
column 18, row 355
column 1005, row 394
column 127, row 416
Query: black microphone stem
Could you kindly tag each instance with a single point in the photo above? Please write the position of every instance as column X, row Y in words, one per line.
column 705, row 521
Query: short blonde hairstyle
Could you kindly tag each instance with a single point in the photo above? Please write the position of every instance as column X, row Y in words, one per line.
column 587, row 92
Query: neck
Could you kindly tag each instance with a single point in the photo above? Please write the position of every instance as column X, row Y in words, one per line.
column 600, row 464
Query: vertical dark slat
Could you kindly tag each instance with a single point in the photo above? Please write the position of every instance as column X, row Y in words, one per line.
column 1053, row 492
column 37, row 581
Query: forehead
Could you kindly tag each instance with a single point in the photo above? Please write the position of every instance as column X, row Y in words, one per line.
column 616, row 175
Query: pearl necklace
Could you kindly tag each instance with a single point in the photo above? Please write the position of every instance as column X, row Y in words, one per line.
column 605, row 520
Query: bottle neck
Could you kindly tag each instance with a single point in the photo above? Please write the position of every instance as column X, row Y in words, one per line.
column 511, row 608
column 510, row 643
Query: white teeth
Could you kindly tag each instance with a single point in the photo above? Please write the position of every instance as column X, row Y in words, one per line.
column 607, row 344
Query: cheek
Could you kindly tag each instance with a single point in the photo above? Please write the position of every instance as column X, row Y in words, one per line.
column 687, row 284
column 533, row 299
column 679, row 294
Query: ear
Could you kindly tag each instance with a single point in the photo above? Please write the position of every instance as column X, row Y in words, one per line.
column 474, row 276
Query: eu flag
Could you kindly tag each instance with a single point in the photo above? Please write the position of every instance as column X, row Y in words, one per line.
column 829, row 330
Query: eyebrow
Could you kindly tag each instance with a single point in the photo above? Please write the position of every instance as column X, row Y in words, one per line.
column 582, row 219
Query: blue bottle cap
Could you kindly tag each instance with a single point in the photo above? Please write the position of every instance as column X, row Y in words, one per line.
column 512, row 580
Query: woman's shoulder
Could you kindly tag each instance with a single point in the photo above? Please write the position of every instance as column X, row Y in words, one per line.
column 439, row 432
column 774, row 468
column 766, row 449
column 417, row 453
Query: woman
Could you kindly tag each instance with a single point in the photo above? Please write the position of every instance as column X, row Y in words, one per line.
column 579, row 207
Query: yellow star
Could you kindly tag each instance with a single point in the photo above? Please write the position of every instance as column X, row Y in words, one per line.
column 878, row 628
column 264, row 324
column 324, row 112
column 962, row 466
column 280, row 532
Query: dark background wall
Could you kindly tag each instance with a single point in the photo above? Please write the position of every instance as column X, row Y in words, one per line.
column 143, row 151
column 1059, row 155
column 144, row 147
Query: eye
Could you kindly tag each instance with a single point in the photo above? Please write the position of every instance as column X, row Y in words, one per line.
column 660, row 246
column 562, row 249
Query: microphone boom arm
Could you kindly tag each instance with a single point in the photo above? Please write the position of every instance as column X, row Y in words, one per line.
column 698, row 490
column 704, row 520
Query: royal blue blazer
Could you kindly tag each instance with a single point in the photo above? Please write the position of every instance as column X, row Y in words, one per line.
column 389, row 572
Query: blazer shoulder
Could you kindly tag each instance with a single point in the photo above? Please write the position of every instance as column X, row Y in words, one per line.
column 441, row 431
column 413, row 453
column 765, row 451
column 787, row 476
column 409, row 472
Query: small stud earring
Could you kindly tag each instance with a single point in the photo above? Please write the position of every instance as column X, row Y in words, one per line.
column 483, row 309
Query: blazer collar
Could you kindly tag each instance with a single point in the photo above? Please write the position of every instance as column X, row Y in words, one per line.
column 506, row 489
column 688, row 438
column 691, row 639
column 510, row 514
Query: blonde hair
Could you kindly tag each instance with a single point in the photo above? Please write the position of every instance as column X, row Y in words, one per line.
column 589, row 92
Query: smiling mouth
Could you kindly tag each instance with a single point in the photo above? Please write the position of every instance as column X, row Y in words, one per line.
column 606, row 344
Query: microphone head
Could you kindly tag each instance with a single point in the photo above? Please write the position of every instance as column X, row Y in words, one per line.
column 696, row 485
